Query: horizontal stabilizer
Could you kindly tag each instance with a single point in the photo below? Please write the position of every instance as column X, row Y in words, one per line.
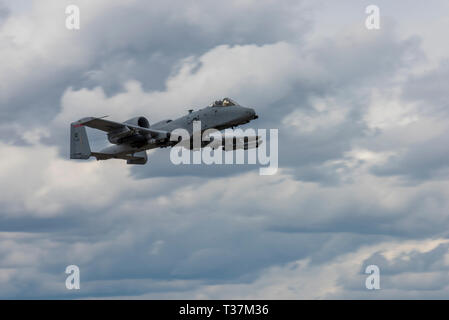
column 136, row 158
column 102, row 156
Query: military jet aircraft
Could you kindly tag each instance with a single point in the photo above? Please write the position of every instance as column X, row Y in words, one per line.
column 132, row 138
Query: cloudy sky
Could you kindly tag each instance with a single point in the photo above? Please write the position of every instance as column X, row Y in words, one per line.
column 363, row 173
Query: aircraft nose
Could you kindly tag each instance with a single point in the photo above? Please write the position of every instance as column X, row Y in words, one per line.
column 251, row 113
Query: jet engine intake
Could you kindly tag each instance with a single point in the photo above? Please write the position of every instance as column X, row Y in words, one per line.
column 139, row 121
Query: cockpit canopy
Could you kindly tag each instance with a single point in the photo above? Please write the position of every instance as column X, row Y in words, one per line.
column 226, row 102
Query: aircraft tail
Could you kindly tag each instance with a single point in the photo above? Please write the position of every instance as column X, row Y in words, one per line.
column 79, row 143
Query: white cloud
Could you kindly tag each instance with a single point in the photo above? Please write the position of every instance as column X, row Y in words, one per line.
column 264, row 74
column 303, row 279
column 326, row 89
column 36, row 181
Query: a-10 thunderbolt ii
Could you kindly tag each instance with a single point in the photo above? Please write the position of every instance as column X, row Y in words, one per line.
column 132, row 138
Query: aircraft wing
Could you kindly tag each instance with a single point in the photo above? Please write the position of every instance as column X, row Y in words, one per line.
column 110, row 126
column 100, row 124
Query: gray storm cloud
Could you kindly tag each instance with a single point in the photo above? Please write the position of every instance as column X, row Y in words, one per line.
column 363, row 171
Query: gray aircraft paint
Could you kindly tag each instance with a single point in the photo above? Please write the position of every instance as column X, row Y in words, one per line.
column 132, row 138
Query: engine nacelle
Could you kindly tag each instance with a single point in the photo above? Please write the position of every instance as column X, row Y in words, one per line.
column 139, row 121
column 116, row 136
column 126, row 135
